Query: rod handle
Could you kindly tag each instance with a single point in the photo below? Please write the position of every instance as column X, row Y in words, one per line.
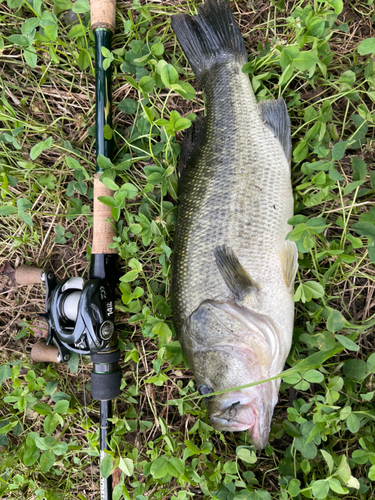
column 103, row 231
column 43, row 353
column 103, row 14
column 28, row 275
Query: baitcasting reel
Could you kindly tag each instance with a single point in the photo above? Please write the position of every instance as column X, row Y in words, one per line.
column 80, row 317
column 80, row 314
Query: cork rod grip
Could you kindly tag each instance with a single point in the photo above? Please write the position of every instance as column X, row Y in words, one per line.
column 43, row 353
column 103, row 14
column 103, row 231
column 28, row 275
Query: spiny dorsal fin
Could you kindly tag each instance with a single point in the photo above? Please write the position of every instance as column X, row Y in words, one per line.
column 276, row 118
column 289, row 261
column 235, row 276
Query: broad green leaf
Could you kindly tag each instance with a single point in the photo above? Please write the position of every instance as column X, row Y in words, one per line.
column 30, row 56
column 301, row 151
column 31, row 455
column 104, row 162
column 81, row 6
column 29, row 25
column 335, row 321
column 50, row 423
column 359, row 169
column 130, row 276
column 106, row 466
column 306, row 60
column 157, row 49
column 176, row 467
column 7, row 210
column 182, row 124
column 355, row 369
column 338, row 150
column 347, row 343
column 159, row 467
column 128, row 106
column 337, row 5
column 313, row 376
column 364, row 229
column 308, row 291
column 353, row 423
column 127, row 466
column 308, row 450
column 109, row 183
column 130, row 190
column 360, row 456
column 320, row 489
column 328, row 458
column 371, row 473
column 169, row 75
column 292, row 379
column 40, row 147
column 246, row 456
column 19, row 40
column 146, row 84
column 83, row 59
column 5, row 372
column 47, row 460
column 23, row 204
column 59, row 448
column 61, row 406
column 366, row 46
column 42, row 408
column 335, row 486
column 76, row 31
column 371, row 362
column 294, row 487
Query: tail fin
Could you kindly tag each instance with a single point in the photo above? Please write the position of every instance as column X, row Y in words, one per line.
column 210, row 37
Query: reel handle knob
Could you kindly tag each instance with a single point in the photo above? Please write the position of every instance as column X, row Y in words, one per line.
column 28, row 275
column 43, row 353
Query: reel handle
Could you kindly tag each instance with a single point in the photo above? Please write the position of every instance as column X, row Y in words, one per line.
column 28, row 275
column 103, row 14
column 43, row 353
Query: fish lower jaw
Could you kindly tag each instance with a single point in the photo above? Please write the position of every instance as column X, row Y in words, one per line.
column 221, row 424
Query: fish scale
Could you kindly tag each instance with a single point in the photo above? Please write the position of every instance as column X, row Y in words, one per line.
column 233, row 272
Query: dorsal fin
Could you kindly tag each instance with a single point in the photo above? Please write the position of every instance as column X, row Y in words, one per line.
column 235, row 276
column 276, row 118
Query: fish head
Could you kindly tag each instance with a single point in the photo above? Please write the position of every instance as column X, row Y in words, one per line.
column 230, row 353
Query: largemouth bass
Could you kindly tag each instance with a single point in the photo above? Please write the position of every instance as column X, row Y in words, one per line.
column 233, row 269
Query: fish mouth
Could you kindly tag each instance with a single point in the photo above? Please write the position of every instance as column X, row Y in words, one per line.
column 237, row 417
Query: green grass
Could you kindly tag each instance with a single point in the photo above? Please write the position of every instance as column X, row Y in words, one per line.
column 317, row 56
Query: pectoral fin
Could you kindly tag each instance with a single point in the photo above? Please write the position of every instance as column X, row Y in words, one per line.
column 276, row 118
column 289, row 260
column 235, row 276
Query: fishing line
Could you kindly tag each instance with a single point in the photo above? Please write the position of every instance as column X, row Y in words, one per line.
column 86, row 422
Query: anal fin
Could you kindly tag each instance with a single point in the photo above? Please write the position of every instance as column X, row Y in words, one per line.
column 235, row 276
column 289, row 261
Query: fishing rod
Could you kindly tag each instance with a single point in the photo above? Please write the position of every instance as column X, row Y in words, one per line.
column 79, row 313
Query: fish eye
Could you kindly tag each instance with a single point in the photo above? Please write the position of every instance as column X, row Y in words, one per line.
column 204, row 389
